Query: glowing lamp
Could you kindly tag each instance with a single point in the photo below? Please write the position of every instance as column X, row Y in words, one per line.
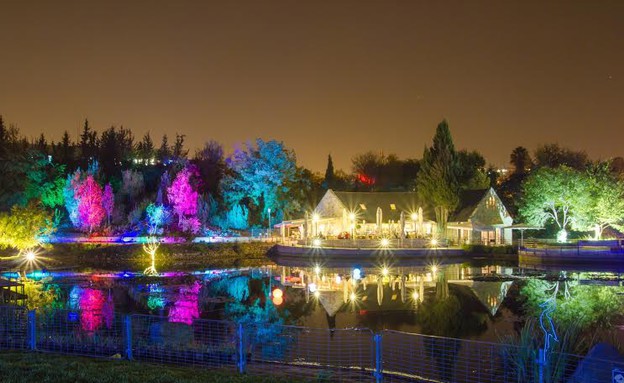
column 357, row 274
column 352, row 216
column 317, row 294
column 385, row 271
column 312, row 287
column 278, row 293
column 352, row 297
column 30, row 256
column 415, row 295
column 385, row 242
column 338, row 279
column 434, row 242
column 315, row 217
column 434, row 269
column 278, row 300
column 316, row 242
column 317, row 269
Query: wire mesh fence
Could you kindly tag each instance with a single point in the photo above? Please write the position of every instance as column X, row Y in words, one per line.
column 328, row 354
column 415, row 357
column 336, row 355
column 85, row 332
column 208, row 343
column 13, row 328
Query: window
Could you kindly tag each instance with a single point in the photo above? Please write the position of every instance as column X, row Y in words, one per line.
column 362, row 206
column 392, row 206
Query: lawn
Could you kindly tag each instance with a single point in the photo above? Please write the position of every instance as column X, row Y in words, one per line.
column 45, row 368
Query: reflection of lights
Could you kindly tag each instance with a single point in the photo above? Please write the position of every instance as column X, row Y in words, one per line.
column 385, row 271
column 317, row 294
column 278, row 301
column 385, row 242
column 278, row 293
column 357, row 274
column 317, row 269
column 316, row 242
column 30, row 256
column 352, row 297
column 312, row 287
column 434, row 242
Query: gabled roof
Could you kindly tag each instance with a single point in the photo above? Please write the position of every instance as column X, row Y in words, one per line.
column 468, row 203
column 366, row 204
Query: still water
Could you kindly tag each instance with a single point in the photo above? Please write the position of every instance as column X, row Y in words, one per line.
column 473, row 300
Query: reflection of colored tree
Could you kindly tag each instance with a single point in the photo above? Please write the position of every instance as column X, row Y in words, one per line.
column 40, row 295
column 155, row 298
column 185, row 309
column 92, row 304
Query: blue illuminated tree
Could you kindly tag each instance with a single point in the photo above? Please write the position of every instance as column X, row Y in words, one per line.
column 260, row 177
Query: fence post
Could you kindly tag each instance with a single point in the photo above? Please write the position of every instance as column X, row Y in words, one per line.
column 241, row 349
column 128, row 336
column 541, row 362
column 378, row 359
column 32, row 330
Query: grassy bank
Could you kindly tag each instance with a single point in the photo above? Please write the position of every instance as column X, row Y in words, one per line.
column 16, row 367
column 170, row 257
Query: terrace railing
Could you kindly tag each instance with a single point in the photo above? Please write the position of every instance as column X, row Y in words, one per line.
column 336, row 355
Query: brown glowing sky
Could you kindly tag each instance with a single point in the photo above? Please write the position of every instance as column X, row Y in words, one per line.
column 323, row 76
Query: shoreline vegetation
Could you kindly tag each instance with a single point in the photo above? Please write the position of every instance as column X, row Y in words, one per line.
column 170, row 257
column 176, row 257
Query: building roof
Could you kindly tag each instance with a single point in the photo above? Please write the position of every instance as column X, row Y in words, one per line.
column 468, row 202
column 391, row 204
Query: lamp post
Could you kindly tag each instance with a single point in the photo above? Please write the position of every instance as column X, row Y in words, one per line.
column 352, row 219
column 315, row 218
column 270, row 231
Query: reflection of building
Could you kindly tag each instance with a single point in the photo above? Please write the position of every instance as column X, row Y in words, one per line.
column 481, row 218
column 363, row 215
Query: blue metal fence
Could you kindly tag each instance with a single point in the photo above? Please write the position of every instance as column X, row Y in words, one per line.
column 336, row 355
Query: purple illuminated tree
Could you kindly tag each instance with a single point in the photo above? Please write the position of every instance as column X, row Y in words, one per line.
column 183, row 197
column 108, row 201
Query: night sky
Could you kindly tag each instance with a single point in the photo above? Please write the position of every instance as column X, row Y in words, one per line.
column 339, row 77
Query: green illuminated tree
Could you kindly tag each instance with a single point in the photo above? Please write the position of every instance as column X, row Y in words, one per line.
column 606, row 205
column 559, row 195
column 23, row 228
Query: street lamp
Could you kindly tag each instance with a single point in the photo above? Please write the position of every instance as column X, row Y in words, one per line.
column 315, row 219
column 352, row 219
column 269, row 210
column 414, row 217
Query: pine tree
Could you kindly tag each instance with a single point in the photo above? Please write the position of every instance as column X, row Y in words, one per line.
column 164, row 153
column 437, row 180
column 330, row 177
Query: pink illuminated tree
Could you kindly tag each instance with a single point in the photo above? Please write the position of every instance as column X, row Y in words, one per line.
column 183, row 197
column 91, row 213
column 186, row 309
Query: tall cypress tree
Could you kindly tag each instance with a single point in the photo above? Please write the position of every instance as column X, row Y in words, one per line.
column 437, row 180
column 329, row 181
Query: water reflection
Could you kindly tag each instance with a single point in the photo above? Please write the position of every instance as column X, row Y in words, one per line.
column 460, row 300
